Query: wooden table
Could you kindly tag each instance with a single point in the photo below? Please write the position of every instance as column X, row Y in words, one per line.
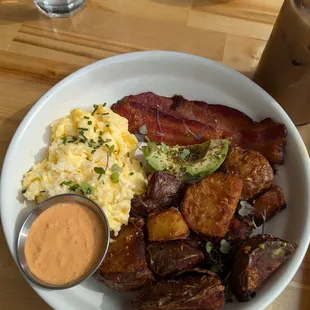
column 36, row 52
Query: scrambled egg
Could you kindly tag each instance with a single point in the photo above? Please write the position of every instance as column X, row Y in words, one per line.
column 91, row 153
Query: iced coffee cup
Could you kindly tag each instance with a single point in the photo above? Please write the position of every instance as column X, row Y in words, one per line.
column 284, row 68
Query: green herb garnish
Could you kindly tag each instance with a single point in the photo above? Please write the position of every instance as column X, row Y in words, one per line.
column 143, row 129
column 64, row 140
column 225, row 246
column 86, row 117
column 131, row 173
column 107, row 125
column 95, row 108
column 116, row 168
column 89, row 122
column 81, row 133
column 110, row 149
column 105, row 113
column 86, row 188
column 74, row 187
column 81, row 128
column 115, row 177
column 66, row 183
column 100, row 133
column 100, row 171
column 209, row 247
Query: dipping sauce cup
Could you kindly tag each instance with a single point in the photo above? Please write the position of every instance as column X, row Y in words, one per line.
column 63, row 241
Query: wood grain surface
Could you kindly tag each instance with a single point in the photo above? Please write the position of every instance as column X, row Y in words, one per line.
column 36, row 52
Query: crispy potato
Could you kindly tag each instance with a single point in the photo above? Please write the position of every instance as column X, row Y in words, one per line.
column 125, row 267
column 166, row 225
column 164, row 191
column 240, row 229
column 173, row 257
column 200, row 291
column 268, row 204
column 210, row 204
column 255, row 261
column 252, row 167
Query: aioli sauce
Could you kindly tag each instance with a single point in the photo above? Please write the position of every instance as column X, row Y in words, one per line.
column 64, row 243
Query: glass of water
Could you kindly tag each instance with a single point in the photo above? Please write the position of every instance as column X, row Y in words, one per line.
column 60, row 8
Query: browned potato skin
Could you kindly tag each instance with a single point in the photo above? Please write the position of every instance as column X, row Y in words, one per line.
column 255, row 261
column 173, row 256
column 125, row 267
column 209, row 205
column 164, row 191
column 240, row 229
column 268, row 204
column 166, row 225
column 252, row 167
column 191, row 292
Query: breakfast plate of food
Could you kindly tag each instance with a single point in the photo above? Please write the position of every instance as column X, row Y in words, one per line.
column 157, row 180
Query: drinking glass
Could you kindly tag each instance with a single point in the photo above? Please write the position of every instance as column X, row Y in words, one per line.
column 59, row 8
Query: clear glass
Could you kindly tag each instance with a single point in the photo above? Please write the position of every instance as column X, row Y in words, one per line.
column 59, row 8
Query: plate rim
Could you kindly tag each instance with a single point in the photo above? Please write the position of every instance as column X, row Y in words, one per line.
column 40, row 103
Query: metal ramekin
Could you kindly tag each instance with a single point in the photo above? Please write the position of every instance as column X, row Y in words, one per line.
column 22, row 236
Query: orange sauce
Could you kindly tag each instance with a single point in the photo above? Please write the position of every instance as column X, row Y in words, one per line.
column 64, row 243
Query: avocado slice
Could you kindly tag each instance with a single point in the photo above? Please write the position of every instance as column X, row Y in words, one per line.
column 197, row 160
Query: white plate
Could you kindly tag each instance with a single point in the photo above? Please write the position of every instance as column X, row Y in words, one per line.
column 164, row 73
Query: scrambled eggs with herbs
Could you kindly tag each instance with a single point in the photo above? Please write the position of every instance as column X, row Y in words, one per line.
column 91, row 153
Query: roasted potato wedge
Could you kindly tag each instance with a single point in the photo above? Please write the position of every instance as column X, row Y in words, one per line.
column 252, row 167
column 240, row 229
column 172, row 257
column 164, row 191
column 255, row 261
column 125, row 267
column 268, row 204
column 201, row 291
column 209, row 205
column 166, row 225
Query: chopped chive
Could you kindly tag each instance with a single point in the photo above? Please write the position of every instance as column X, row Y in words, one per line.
column 128, row 154
column 89, row 122
column 107, row 125
column 95, row 129
column 100, row 133
column 82, row 141
column 42, row 191
column 105, row 113
column 86, row 117
column 93, row 151
column 66, row 183
column 24, row 191
column 104, row 104
column 131, row 173
column 64, row 140
column 95, row 108
column 81, row 128
column 74, row 187
column 92, row 141
column 82, row 134
column 141, row 165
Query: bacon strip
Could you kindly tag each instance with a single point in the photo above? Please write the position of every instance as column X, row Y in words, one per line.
column 267, row 136
column 174, row 131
